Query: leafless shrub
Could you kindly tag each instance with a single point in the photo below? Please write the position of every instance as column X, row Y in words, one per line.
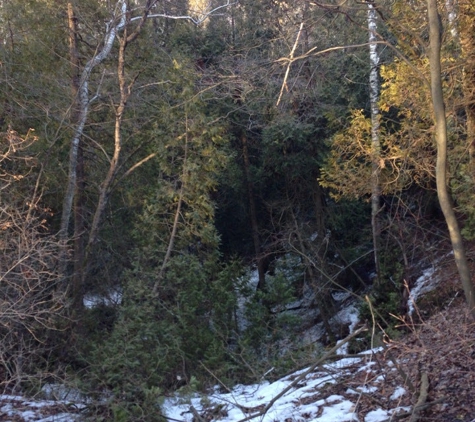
column 30, row 298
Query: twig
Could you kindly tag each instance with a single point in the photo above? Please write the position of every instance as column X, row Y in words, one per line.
column 172, row 419
column 196, row 414
column 401, row 372
column 216, row 378
column 373, row 332
column 350, row 356
column 284, row 83
column 304, row 374
column 404, row 376
column 188, row 17
column 416, row 408
column 332, row 357
column 422, row 397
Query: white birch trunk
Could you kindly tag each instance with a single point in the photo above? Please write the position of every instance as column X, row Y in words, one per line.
column 375, row 140
column 84, row 100
column 83, row 104
column 113, row 27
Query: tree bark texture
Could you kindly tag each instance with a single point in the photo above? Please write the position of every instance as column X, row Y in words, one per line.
column 125, row 90
column 375, row 139
column 443, row 194
column 83, row 101
column 79, row 199
column 253, row 213
column 73, row 199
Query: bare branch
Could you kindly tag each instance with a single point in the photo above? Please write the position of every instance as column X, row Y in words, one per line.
column 291, row 56
column 138, row 164
column 302, row 376
column 188, row 17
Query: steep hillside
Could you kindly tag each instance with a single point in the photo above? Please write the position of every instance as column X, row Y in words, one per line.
column 426, row 375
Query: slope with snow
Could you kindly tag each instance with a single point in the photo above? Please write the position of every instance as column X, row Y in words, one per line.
column 336, row 391
column 371, row 387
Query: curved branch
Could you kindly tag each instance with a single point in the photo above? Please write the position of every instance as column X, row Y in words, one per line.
column 445, row 199
column 83, row 105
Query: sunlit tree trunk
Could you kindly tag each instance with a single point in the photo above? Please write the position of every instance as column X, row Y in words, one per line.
column 125, row 91
column 445, row 199
column 84, row 101
column 84, row 98
column 375, row 140
column 73, row 198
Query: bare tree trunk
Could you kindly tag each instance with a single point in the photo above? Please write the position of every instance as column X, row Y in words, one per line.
column 253, row 214
column 171, row 242
column 125, row 90
column 445, row 199
column 317, row 193
column 105, row 189
column 78, row 210
column 83, row 101
column 375, row 141
column 114, row 25
column 176, row 219
column 75, row 186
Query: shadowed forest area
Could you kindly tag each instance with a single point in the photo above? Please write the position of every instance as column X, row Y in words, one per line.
column 191, row 190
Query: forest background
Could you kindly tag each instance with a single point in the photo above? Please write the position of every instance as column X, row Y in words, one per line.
column 159, row 149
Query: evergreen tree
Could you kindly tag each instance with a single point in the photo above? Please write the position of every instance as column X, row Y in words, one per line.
column 178, row 308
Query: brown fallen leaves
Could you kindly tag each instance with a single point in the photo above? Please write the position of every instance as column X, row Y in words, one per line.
column 443, row 346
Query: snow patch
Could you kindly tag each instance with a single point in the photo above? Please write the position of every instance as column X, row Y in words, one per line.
column 18, row 408
column 341, row 296
column 63, row 393
column 377, row 415
column 424, row 284
column 398, row 392
column 367, row 389
column 347, row 316
column 112, row 298
column 301, row 402
column 250, row 281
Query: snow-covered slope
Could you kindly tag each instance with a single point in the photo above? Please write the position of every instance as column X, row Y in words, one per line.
column 370, row 387
column 332, row 392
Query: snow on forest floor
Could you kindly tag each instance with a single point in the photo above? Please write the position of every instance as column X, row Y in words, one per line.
column 20, row 409
column 380, row 385
column 375, row 386
column 333, row 392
